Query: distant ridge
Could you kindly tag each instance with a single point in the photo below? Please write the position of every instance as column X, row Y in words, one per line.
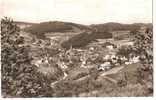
column 113, row 26
column 21, row 22
column 56, row 26
column 60, row 26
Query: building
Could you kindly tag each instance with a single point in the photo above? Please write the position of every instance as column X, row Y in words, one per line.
column 121, row 34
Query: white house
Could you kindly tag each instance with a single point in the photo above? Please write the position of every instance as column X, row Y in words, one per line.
column 105, row 66
column 110, row 47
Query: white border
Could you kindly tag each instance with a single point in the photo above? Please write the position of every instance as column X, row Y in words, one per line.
column 107, row 98
column 154, row 45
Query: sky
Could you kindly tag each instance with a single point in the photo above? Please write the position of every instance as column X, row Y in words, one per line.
column 78, row 11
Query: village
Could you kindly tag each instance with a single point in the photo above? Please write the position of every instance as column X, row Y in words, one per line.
column 89, row 63
column 101, row 55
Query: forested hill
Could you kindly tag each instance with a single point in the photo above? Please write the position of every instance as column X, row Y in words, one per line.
column 56, row 26
column 113, row 26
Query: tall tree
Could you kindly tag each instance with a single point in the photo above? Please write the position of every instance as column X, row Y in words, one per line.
column 144, row 46
column 19, row 77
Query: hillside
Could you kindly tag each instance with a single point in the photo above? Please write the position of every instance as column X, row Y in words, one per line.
column 113, row 26
column 55, row 26
column 59, row 26
column 84, row 38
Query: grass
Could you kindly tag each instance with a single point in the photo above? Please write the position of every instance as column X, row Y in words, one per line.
column 126, row 91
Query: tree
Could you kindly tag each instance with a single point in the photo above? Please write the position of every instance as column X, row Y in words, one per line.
column 126, row 51
column 19, row 77
column 144, row 46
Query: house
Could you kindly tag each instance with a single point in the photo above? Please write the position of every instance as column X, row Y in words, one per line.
column 121, row 34
column 109, row 45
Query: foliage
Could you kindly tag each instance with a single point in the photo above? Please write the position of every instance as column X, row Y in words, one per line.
column 126, row 51
column 144, row 46
column 19, row 77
